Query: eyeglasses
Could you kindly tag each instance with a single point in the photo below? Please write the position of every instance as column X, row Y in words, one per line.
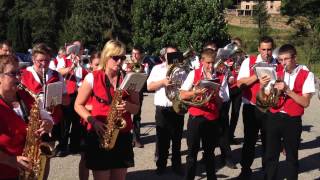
column 15, row 74
column 284, row 59
column 117, row 58
column 266, row 49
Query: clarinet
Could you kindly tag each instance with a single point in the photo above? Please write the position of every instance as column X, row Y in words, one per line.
column 44, row 88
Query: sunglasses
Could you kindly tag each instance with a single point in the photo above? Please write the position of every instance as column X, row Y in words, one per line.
column 15, row 74
column 117, row 58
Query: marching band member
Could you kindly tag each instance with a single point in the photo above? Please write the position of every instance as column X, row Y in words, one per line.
column 284, row 123
column 169, row 124
column 253, row 118
column 235, row 94
column 14, row 109
column 32, row 78
column 94, row 65
column 136, row 56
column 202, row 123
column 105, row 164
column 73, row 74
column 60, row 57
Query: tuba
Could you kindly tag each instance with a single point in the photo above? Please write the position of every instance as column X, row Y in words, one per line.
column 177, row 73
column 36, row 150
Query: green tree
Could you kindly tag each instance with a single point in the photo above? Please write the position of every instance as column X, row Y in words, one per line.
column 157, row 23
column 261, row 16
column 31, row 22
column 5, row 5
column 95, row 22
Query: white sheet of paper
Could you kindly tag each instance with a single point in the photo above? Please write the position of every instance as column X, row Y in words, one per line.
column 133, row 81
column 270, row 71
column 54, row 94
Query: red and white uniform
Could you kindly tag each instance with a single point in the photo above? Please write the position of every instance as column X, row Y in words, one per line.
column 74, row 78
column 13, row 132
column 246, row 70
column 54, row 62
column 301, row 81
column 31, row 80
column 209, row 110
column 100, row 110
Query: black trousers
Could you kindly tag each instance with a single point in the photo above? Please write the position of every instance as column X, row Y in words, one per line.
column 253, row 121
column 235, row 101
column 282, row 128
column 137, row 119
column 223, row 127
column 169, row 127
column 199, row 128
column 71, row 119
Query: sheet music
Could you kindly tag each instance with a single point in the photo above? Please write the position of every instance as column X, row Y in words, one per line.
column 263, row 71
column 54, row 94
column 133, row 81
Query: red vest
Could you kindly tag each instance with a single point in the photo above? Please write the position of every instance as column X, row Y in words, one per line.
column 101, row 110
column 209, row 110
column 287, row 104
column 251, row 91
column 70, row 79
column 12, row 133
column 28, row 80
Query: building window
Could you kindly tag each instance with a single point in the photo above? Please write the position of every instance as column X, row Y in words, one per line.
column 247, row 7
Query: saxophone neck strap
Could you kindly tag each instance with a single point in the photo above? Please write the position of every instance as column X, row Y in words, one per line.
column 108, row 86
column 24, row 109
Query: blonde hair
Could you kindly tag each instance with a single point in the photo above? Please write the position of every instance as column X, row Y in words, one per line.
column 111, row 48
column 208, row 54
column 41, row 48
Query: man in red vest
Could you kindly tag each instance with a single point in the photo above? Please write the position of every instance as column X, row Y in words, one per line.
column 73, row 74
column 203, row 121
column 284, row 122
column 253, row 118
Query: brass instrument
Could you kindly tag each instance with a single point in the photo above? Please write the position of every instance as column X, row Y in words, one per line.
column 268, row 96
column 177, row 73
column 114, row 121
column 34, row 149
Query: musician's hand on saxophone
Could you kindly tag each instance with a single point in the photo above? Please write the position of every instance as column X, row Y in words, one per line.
column 264, row 80
column 45, row 127
column 166, row 81
column 281, row 86
column 18, row 162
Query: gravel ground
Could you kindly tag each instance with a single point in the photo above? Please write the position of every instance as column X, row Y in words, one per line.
column 309, row 155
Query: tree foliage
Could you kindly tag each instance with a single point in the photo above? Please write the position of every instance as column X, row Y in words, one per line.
column 184, row 22
column 97, row 21
column 261, row 16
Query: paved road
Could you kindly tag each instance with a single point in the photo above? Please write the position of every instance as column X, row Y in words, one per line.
column 309, row 154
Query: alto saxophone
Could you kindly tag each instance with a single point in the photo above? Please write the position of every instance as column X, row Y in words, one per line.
column 34, row 149
column 114, row 123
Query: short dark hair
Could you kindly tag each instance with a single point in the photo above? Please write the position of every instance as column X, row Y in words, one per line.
column 210, row 43
column 266, row 39
column 173, row 46
column 5, row 42
column 288, row 48
column 7, row 59
column 138, row 47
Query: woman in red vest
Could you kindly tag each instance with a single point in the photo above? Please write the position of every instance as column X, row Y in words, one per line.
column 284, row 123
column 107, row 164
column 202, row 123
column 15, row 105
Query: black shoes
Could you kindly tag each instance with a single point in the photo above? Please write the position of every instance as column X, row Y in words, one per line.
column 230, row 164
column 160, row 171
column 233, row 141
column 245, row 175
column 178, row 170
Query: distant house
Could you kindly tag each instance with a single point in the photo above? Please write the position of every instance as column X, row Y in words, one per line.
column 245, row 8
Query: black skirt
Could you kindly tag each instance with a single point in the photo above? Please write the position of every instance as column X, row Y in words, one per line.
column 121, row 156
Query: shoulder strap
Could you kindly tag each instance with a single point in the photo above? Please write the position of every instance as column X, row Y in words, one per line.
column 107, row 85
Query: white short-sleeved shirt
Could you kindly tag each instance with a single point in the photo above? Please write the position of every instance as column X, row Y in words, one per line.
column 89, row 79
column 223, row 92
column 77, row 70
column 43, row 113
column 158, row 73
column 308, row 86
